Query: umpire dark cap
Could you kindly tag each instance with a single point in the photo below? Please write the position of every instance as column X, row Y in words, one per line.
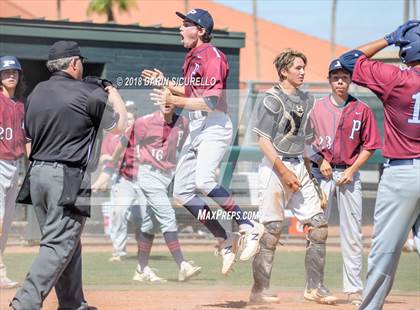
column 335, row 65
column 199, row 17
column 64, row 49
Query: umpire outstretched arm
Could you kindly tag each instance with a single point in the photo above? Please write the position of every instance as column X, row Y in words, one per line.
column 348, row 60
column 169, row 93
column 117, row 103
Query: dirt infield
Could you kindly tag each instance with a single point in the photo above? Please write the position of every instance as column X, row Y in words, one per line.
column 216, row 295
column 212, row 298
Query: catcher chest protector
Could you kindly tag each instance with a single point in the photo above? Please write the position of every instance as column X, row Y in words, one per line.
column 291, row 122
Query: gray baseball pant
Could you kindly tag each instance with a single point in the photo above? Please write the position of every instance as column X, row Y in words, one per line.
column 157, row 212
column 201, row 155
column 126, row 198
column 397, row 208
column 9, row 174
column 59, row 262
column 348, row 200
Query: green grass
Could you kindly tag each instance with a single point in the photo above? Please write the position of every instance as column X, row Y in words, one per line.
column 287, row 272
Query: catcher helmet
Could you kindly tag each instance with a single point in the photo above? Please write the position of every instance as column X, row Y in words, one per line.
column 411, row 51
column 9, row 62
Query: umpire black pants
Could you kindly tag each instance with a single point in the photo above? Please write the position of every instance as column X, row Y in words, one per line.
column 59, row 262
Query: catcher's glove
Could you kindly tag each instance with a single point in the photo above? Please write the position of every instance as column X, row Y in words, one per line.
column 321, row 194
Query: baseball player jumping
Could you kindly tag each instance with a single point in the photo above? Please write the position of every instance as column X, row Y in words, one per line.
column 346, row 136
column 12, row 147
column 156, row 138
column 203, row 93
column 397, row 206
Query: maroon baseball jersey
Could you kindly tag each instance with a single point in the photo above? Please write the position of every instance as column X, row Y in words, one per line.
column 342, row 132
column 205, row 72
column 12, row 133
column 154, row 142
column 130, row 161
column 109, row 144
column 399, row 90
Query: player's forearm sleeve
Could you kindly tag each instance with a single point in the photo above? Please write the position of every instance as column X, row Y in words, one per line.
column 211, row 101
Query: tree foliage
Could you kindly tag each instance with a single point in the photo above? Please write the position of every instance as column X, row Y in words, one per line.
column 105, row 7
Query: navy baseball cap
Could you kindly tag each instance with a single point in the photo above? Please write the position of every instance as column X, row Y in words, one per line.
column 9, row 63
column 410, row 52
column 64, row 49
column 335, row 65
column 199, row 17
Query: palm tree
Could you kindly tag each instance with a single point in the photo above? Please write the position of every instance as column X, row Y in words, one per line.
column 58, row 9
column 105, row 7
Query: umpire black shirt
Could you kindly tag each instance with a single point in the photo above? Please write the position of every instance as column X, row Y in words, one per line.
column 62, row 118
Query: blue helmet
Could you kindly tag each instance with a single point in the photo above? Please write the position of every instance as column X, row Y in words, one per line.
column 9, row 62
column 412, row 34
column 411, row 51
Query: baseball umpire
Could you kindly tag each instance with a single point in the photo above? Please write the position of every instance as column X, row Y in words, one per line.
column 64, row 116
column 346, row 136
column 12, row 147
column 397, row 206
column 203, row 93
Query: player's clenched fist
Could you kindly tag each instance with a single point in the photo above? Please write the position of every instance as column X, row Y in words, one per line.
column 346, row 177
column 326, row 169
column 290, row 180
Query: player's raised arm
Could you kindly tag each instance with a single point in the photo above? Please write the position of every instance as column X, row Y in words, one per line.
column 370, row 49
column 394, row 38
column 156, row 78
column 164, row 96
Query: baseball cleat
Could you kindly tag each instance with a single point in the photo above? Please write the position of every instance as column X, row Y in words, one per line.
column 6, row 283
column 251, row 239
column 228, row 249
column 263, row 298
column 320, row 295
column 355, row 299
column 147, row 275
column 188, row 270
